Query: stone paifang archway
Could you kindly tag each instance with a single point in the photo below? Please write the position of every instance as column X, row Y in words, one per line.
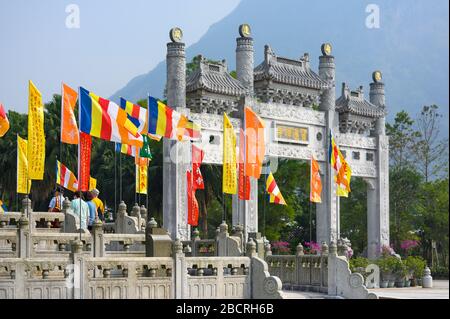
column 300, row 110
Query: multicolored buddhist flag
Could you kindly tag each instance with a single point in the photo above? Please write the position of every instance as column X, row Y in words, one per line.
column 254, row 143
column 106, row 120
column 36, row 135
column 126, row 149
column 163, row 120
column 229, row 180
column 23, row 182
column 65, row 178
column 315, row 182
column 69, row 128
column 4, row 123
column 273, row 190
column 343, row 170
column 192, row 130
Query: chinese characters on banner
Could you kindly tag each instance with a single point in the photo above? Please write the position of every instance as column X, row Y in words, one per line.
column 84, row 161
column 229, row 182
column 22, row 167
column 36, row 136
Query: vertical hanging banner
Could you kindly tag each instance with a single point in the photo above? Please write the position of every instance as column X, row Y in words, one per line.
column 84, row 161
column 254, row 143
column 192, row 201
column 141, row 179
column 22, row 167
column 36, row 136
column 197, row 159
column 229, row 180
column 315, row 182
column 244, row 181
column 92, row 183
column 69, row 128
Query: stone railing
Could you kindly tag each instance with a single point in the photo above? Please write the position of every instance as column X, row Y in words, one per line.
column 300, row 271
column 78, row 275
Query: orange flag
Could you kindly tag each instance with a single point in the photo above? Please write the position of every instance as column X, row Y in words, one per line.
column 4, row 123
column 255, row 144
column 316, row 183
column 69, row 128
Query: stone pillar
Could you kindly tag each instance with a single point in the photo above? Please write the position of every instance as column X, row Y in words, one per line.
column 245, row 213
column 176, row 154
column 378, row 193
column 327, row 212
column 244, row 58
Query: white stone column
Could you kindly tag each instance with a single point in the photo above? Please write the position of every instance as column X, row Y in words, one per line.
column 176, row 154
column 378, row 196
column 327, row 212
column 246, row 212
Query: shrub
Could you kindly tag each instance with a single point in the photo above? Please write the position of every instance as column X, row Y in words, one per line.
column 358, row 262
column 415, row 266
column 312, row 247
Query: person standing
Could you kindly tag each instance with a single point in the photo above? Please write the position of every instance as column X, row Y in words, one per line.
column 100, row 208
column 56, row 201
column 92, row 208
column 80, row 207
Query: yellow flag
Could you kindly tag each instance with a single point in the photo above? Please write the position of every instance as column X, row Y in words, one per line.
column 92, row 183
column 141, row 179
column 36, row 136
column 22, row 166
column 229, row 181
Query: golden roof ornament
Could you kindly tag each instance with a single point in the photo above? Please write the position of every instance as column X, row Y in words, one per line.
column 245, row 31
column 326, row 49
column 176, row 34
column 377, row 76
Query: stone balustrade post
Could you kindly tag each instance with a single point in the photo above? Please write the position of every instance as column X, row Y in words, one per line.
column 24, row 237
column 99, row 246
column 79, row 270
column 332, row 269
column 179, row 272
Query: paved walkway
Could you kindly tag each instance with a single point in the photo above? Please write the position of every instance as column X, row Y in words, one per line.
column 440, row 290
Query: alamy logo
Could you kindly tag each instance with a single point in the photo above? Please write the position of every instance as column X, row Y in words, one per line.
column 73, row 17
column 373, row 19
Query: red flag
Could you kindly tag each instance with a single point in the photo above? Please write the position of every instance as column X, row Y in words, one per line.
column 244, row 181
column 192, row 201
column 197, row 159
column 84, row 161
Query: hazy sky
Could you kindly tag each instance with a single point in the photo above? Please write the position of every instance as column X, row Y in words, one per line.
column 116, row 41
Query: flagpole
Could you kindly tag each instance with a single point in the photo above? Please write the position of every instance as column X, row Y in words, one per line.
column 120, row 176
column 79, row 149
column 264, row 204
column 61, row 118
column 115, row 178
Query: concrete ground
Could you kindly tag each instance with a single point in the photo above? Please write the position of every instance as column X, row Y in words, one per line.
column 440, row 290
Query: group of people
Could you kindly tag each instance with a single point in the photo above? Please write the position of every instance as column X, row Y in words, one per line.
column 84, row 204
